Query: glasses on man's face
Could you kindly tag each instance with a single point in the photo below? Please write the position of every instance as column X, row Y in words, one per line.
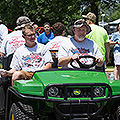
column 30, row 35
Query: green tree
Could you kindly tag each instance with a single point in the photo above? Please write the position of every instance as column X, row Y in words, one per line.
column 65, row 11
column 40, row 11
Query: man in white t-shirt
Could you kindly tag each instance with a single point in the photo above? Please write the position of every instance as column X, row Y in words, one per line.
column 14, row 40
column 3, row 32
column 29, row 57
column 79, row 45
column 54, row 44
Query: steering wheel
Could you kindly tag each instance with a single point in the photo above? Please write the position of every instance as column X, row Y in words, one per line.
column 84, row 64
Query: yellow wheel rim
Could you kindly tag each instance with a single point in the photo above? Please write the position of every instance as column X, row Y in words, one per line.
column 12, row 117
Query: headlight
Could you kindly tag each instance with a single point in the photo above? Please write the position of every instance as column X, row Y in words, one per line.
column 99, row 91
column 53, row 91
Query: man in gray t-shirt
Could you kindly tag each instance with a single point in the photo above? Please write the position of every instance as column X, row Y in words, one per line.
column 79, row 45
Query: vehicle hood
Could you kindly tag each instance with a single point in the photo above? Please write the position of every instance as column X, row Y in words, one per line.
column 41, row 79
column 73, row 76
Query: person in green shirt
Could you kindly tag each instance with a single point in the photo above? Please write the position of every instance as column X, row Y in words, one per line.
column 99, row 35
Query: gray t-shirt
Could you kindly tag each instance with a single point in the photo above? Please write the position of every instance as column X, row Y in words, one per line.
column 87, row 47
column 31, row 59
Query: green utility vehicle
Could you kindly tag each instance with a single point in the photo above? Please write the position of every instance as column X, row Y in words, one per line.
column 64, row 94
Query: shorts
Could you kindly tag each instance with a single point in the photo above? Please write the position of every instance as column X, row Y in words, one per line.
column 27, row 75
column 117, row 59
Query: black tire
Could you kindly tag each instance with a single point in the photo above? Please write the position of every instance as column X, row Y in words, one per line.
column 2, row 114
column 117, row 113
column 21, row 111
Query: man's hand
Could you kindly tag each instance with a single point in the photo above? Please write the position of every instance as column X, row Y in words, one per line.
column 47, row 66
column 2, row 54
column 4, row 73
column 66, row 60
column 75, row 56
column 99, row 61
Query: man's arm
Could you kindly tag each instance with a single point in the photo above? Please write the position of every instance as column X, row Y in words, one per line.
column 113, row 43
column 47, row 66
column 107, row 48
column 7, row 73
column 66, row 60
column 2, row 54
column 99, row 61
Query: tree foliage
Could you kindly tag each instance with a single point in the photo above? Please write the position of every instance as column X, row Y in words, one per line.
column 65, row 11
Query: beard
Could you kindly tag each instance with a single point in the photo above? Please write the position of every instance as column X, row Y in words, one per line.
column 80, row 38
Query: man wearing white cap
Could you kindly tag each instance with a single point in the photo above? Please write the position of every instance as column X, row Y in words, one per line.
column 79, row 45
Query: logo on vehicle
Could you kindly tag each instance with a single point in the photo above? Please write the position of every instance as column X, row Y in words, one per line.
column 77, row 91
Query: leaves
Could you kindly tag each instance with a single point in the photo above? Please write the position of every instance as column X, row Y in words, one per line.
column 65, row 11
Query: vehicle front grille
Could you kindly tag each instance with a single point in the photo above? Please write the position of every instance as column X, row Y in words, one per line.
column 78, row 90
column 84, row 92
column 75, row 109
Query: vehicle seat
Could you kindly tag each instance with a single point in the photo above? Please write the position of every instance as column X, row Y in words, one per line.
column 5, row 82
column 6, row 62
column 54, row 54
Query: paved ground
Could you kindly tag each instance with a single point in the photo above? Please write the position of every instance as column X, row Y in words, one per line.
column 109, row 74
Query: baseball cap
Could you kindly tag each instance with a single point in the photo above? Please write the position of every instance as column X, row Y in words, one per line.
column 80, row 23
column 90, row 16
column 22, row 21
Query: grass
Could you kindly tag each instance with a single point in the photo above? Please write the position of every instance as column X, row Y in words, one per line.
column 110, row 67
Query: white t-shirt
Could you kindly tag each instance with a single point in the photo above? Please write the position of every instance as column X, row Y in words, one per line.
column 54, row 44
column 31, row 59
column 11, row 42
column 3, row 32
column 87, row 47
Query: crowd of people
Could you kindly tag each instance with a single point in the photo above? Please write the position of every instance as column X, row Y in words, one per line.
column 33, row 51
